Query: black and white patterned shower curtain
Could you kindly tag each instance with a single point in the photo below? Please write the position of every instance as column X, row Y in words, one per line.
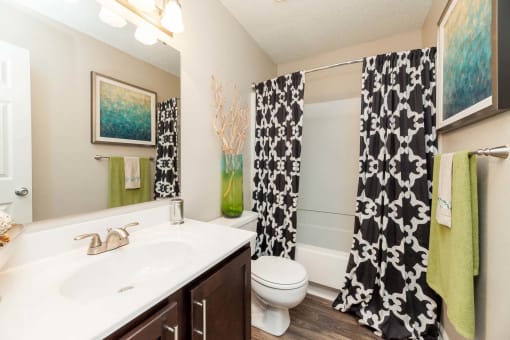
column 167, row 163
column 278, row 134
column 385, row 279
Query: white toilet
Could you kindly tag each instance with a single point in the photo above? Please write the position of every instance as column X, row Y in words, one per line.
column 277, row 283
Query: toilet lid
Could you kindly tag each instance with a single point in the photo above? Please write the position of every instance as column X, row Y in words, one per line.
column 278, row 270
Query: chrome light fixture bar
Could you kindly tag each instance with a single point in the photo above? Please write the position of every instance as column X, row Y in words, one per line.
column 154, row 19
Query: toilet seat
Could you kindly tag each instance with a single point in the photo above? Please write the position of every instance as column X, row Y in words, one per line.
column 279, row 286
column 278, row 273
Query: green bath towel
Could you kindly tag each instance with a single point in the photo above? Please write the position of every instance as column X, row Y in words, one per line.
column 117, row 194
column 453, row 253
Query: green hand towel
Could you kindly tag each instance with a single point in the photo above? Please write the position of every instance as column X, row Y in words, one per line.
column 117, row 193
column 453, row 253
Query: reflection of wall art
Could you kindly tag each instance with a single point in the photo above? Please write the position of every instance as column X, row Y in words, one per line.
column 122, row 113
column 472, row 82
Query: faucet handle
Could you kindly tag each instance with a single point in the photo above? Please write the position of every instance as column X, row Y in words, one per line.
column 94, row 242
column 129, row 225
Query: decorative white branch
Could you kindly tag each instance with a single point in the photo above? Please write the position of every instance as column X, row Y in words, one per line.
column 230, row 127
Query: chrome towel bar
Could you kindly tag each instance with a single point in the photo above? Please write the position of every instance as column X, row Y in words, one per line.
column 499, row 151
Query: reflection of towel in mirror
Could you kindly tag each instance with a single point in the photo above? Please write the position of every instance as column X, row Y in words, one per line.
column 118, row 195
column 444, row 191
column 132, row 172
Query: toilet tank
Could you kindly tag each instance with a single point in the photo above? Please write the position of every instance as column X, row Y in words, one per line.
column 247, row 221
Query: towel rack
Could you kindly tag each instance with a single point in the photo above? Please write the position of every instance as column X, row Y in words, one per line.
column 99, row 157
column 499, row 151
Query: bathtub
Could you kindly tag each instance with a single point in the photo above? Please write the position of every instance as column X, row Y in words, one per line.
column 325, row 267
column 323, row 244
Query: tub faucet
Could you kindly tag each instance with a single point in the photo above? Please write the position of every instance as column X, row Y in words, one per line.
column 116, row 238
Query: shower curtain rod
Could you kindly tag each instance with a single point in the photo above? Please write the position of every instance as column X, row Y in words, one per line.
column 350, row 62
column 334, row 65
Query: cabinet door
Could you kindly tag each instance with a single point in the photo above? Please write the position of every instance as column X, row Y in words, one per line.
column 220, row 304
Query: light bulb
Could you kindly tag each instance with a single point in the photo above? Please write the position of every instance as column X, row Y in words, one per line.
column 111, row 18
column 145, row 36
column 172, row 19
column 143, row 5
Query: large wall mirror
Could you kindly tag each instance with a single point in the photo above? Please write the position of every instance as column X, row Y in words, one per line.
column 66, row 42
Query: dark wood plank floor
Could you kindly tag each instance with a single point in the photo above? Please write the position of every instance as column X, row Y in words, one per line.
column 315, row 319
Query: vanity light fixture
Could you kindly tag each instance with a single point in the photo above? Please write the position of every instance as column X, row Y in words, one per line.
column 172, row 18
column 155, row 19
column 144, row 35
column 144, row 5
column 111, row 18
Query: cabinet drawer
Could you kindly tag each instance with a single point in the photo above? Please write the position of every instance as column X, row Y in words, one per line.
column 157, row 323
column 162, row 325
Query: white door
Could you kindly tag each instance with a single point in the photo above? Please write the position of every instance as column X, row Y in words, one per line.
column 15, row 133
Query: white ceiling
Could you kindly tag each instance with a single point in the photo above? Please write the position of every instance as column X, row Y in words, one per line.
column 292, row 29
column 83, row 16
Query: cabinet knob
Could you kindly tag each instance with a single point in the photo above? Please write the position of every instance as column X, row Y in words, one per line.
column 174, row 330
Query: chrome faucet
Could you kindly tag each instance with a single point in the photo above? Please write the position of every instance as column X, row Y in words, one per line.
column 116, row 238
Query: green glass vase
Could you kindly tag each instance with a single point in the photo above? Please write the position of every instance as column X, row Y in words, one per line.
column 232, row 185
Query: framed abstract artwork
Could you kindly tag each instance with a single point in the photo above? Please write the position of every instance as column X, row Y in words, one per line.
column 473, row 68
column 122, row 113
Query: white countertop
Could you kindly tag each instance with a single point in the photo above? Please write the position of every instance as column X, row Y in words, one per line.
column 33, row 305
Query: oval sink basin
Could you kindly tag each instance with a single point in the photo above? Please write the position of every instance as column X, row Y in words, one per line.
column 124, row 268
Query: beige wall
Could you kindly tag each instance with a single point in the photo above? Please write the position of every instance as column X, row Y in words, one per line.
column 429, row 29
column 345, row 82
column 66, row 179
column 491, row 287
column 213, row 43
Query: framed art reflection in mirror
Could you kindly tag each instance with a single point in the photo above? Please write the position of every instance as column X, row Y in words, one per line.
column 122, row 113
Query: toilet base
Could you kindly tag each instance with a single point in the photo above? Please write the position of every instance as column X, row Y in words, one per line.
column 272, row 320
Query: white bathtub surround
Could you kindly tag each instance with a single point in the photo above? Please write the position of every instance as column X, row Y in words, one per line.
column 51, row 286
column 327, row 198
column 329, row 163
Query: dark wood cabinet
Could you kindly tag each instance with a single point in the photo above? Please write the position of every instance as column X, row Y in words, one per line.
column 215, row 306
column 163, row 325
column 165, row 321
column 220, row 304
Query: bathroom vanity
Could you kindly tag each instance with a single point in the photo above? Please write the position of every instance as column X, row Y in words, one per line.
column 215, row 306
column 190, row 281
